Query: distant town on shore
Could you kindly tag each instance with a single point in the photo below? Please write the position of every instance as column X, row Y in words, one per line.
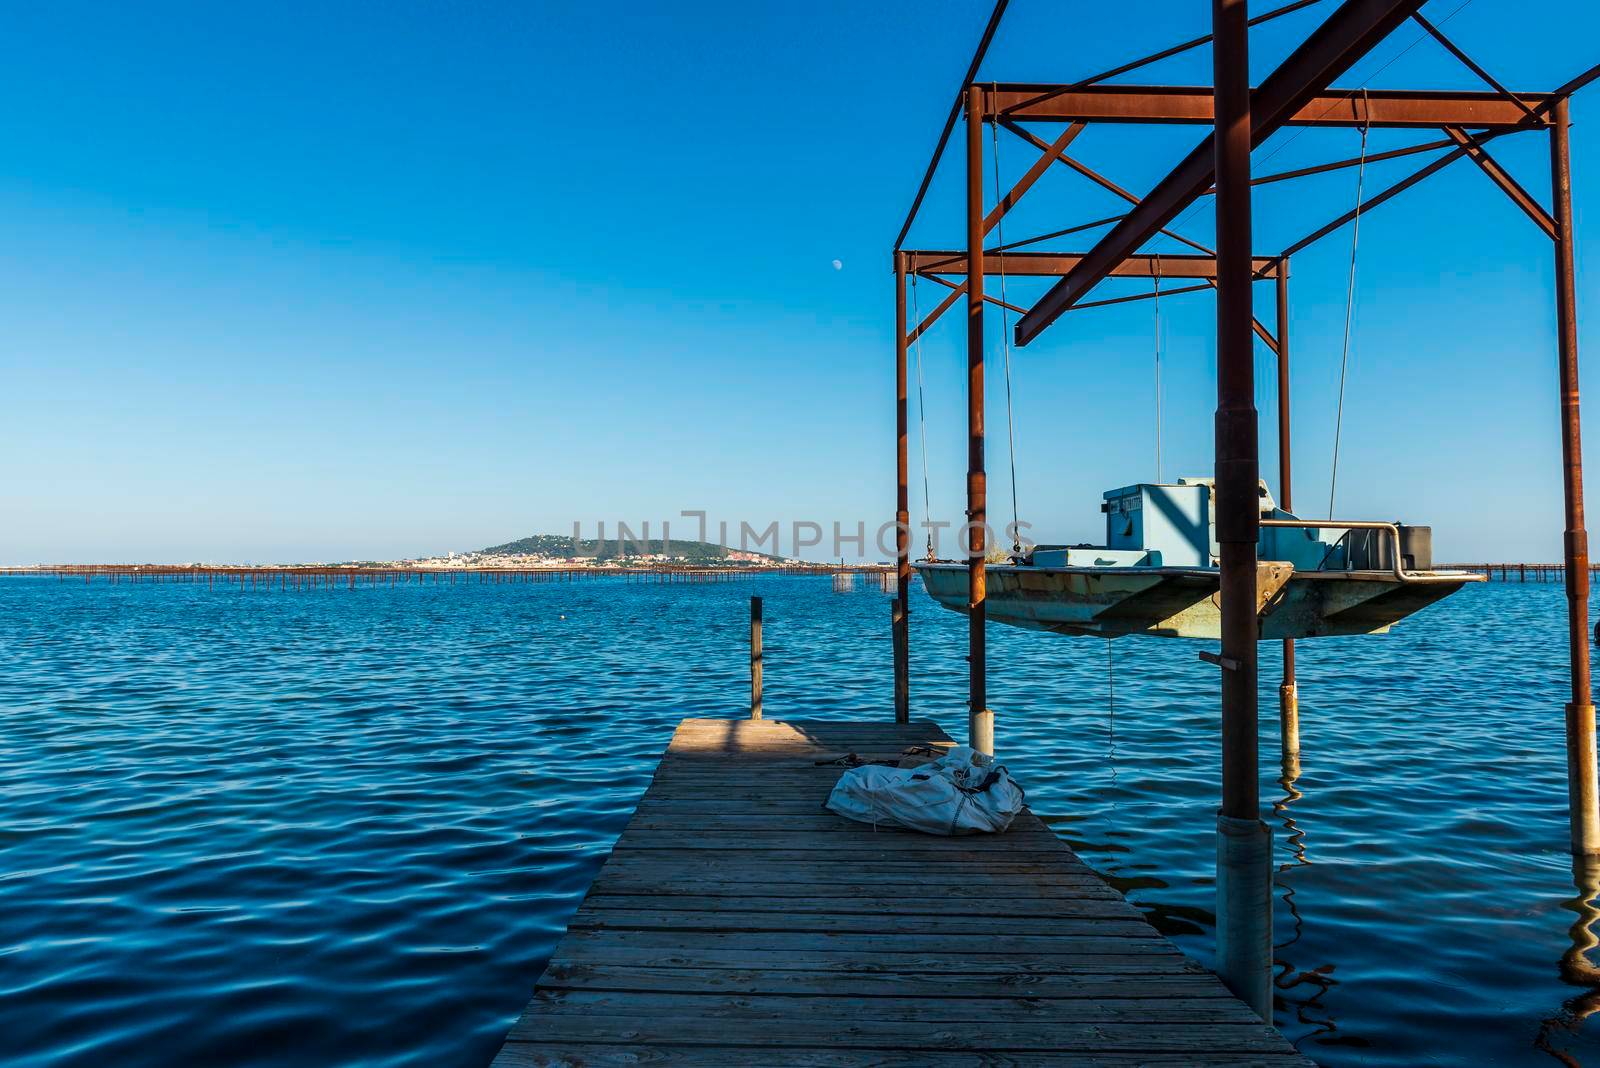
column 560, row 550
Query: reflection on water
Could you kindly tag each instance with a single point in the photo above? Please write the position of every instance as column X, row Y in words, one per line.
column 1577, row 968
column 281, row 828
column 1300, row 991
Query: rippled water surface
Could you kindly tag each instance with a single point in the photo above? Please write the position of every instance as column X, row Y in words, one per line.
column 348, row 826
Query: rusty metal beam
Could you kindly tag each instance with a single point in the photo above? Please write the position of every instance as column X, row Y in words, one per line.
column 1353, row 161
column 1191, row 105
column 1566, row 89
column 933, row 316
column 1498, row 175
column 950, row 122
column 1347, row 35
column 1045, row 264
column 1051, row 153
column 1256, row 325
column 1467, row 61
column 1264, row 334
column 1156, row 57
column 1099, row 179
column 1036, row 238
column 961, row 288
column 1130, row 298
column 1393, row 191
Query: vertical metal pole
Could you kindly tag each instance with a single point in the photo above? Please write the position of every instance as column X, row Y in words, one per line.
column 755, row 658
column 902, row 507
column 1584, row 809
column 1288, row 690
column 1244, row 843
column 980, row 721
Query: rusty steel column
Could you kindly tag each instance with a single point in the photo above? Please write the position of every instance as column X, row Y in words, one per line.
column 980, row 721
column 1288, row 690
column 902, row 507
column 1244, row 842
column 1584, row 811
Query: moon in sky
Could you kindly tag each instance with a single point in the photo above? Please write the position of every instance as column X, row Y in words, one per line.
column 838, row 266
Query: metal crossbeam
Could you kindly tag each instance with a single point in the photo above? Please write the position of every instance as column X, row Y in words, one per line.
column 1348, row 34
column 1500, row 177
column 1191, row 105
column 1045, row 264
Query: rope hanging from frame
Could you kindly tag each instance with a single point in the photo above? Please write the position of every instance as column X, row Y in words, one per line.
column 1349, row 308
column 1005, row 331
column 1156, row 300
column 922, row 420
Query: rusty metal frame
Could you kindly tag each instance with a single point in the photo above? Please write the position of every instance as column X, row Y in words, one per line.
column 933, row 265
column 1191, row 106
column 1238, row 118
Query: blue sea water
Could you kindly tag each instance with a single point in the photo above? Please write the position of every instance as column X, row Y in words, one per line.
column 347, row 826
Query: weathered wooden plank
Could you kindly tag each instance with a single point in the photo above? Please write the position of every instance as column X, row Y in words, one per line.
column 972, row 848
column 1062, row 1035
column 605, row 1055
column 947, row 941
column 1190, row 983
column 773, row 865
column 597, row 917
column 691, row 955
column 993, row 897
column 702, row 813
column 719, row 867
column 955, row 861
column 733, row 809
column 737, row 922
column 952, row 865
column 817, row 822
column 1107, row 906
column 847, row 1011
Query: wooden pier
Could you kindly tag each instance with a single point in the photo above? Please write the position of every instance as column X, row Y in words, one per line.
column 1520, row 572
column 738, row 922
column 342, row 576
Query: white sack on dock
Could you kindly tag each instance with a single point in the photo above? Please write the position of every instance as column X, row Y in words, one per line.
column 963, row 792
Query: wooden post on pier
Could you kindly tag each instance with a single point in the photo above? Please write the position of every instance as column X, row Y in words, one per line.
column 755, row 658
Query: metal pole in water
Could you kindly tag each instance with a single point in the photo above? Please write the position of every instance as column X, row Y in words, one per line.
column 1584, row 804
column 1244, row 842
column 980, row 721
column 1288, row 691
column 899, row 620
column 755, row 658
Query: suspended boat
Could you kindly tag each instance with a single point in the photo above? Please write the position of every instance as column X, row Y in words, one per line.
column 1157, row 573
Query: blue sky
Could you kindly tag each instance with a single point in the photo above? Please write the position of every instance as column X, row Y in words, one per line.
column 296, row 282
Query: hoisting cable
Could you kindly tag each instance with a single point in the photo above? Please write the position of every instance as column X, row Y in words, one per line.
column 922, row 420
column 1349, row 302
column 1156, row 300
column 1111, row 711
column 1005, row 330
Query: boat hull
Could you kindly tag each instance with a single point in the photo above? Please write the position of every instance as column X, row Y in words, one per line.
column 1186, row 603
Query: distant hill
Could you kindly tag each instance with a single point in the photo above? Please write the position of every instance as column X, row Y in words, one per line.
column 694, row 552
